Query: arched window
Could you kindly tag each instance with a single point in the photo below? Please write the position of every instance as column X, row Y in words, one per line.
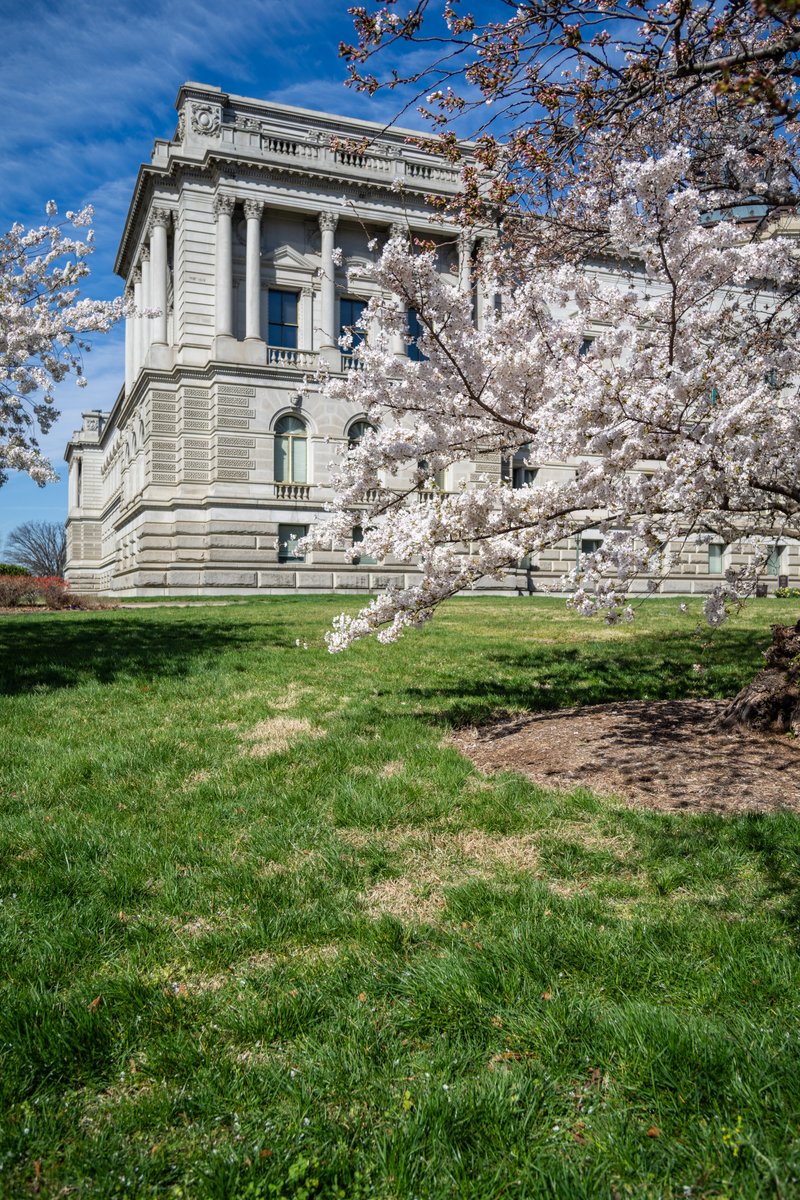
column 291, row 451
column 356, row 432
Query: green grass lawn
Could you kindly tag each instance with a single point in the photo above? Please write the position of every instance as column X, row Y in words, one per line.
column 263, row 933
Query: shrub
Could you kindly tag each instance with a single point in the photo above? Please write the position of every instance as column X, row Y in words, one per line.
column 788, row 593
column 13, row 569
column 53, row 590
column 16, row 590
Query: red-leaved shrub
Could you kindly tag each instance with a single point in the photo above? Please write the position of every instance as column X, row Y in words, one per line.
column 53, row 590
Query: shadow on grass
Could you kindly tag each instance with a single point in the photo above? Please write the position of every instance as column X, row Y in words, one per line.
column 65, row 651
column 546, row 680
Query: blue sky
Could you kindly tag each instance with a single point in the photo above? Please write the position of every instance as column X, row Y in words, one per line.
column 87, row 85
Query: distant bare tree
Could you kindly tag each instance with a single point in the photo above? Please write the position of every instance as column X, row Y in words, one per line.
column 41, row 546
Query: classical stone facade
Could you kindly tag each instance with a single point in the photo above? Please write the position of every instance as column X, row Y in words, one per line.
column 215, row 457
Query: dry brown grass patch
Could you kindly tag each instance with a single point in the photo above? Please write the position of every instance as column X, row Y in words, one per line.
column 433, row 861
column 390, row 769
column 277, row 734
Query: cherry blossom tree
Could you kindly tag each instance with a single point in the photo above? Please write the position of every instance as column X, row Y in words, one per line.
column 690, row 373
column 633, row 181
column 536, row 79
column 44, row 330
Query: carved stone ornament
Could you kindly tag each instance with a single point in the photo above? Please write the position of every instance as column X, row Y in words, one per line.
column 160, row 216
column 224, row 204
column 136, row 275
column 253, row 208
column 328, row 222
column 206, row 119
column 91, row 424
column 180, row 133
column 145, row 253
column 398, row 230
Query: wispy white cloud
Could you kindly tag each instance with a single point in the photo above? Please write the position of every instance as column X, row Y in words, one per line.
column 91, row 83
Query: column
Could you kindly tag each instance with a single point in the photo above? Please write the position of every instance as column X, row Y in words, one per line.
column 147, row 322
column 138, row 324
column 399, row 345
column 484, row 297
column 223, row 210
column 252, row 211
column 327, row 224
column 159, row 220
column 130, row 337
column 465, row 244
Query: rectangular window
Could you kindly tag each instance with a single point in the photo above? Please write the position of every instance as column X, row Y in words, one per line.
column 415, row 331
column 774, row 560
column 586, row 545
column 349, row 313
column 283, row 319
column 715, row 554
column 365, row 560
column 288, row 538
column 299, row 460
column 522, row 476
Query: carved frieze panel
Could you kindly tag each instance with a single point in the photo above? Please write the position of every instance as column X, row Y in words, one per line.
column 234, row 389
column 236, row 441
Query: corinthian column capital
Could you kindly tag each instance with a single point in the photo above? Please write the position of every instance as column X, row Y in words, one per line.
column 160, row 217
column 253, row 208
column 224, row 205
column 328, row 222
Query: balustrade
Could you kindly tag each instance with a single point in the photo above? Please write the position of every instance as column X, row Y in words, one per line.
column 301, row 360
column 292, row 491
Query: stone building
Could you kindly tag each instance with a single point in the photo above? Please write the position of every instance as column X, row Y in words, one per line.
column 214, row 458
column 213, row 461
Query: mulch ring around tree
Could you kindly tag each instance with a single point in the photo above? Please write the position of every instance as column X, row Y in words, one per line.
column 664, row 754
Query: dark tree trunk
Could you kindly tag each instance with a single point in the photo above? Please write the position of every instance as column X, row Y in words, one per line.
column 771, row 701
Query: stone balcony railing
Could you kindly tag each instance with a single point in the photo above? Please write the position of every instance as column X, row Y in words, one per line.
column 348, row 363
column 292, row 491
column 300, row 360
column 379, row 162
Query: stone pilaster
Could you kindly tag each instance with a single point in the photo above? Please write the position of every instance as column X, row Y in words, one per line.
column 130, row 338
column 146, row 326
column 138, row 321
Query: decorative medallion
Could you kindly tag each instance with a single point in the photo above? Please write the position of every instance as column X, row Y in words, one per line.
column 206, row 119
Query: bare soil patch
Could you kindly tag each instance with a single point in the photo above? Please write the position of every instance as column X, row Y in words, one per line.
column 663, row 754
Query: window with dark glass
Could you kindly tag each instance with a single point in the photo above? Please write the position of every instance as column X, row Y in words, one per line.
column 283, row 319
column 356, row 432
column 439, row 477
column 415, row 332
column 587, row 545
column 365, row 560
column 289, row 538
column 291, row 453
column 350, row 312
